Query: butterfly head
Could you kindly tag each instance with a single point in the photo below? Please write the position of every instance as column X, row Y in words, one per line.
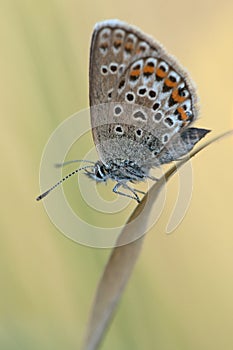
column 99, row 173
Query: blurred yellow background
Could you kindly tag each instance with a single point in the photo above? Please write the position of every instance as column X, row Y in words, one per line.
column 181, row 293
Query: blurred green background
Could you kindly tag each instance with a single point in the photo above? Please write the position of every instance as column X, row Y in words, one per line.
column 181, row 293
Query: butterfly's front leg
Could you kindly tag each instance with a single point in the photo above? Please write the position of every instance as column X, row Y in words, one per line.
column 135, row 190
column 124, row 185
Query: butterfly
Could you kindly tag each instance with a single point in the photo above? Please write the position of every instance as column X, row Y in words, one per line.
column 142, row 103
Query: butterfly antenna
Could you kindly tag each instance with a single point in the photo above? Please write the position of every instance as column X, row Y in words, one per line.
column 60, row 165
column 41, row 196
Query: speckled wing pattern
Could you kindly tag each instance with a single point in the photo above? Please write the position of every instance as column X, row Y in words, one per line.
column 139, row 93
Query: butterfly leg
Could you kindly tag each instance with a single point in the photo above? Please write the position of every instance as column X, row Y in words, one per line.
column 120, row 184
column 135, row 190
column 153, row 178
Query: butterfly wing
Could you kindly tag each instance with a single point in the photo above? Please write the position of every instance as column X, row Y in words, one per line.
column 136, row 88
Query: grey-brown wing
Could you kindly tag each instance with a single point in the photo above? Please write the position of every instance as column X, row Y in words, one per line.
column 139, row 84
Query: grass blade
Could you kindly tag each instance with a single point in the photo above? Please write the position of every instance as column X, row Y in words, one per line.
column 123, row 258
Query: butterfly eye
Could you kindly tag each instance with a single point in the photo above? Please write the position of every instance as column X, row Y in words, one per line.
column 100, row 172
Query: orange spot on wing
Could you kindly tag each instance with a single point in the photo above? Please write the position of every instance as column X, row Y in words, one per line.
column 104, row 45
column 176, row 97
column 135, row 73
column 182, row 113
column 148, row 69
column 160, row 73
column 128, row 46
column 140, row 49
column 117, row 43
column 170, row 83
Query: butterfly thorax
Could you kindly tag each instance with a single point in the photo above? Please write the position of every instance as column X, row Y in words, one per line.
column 118, row 170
